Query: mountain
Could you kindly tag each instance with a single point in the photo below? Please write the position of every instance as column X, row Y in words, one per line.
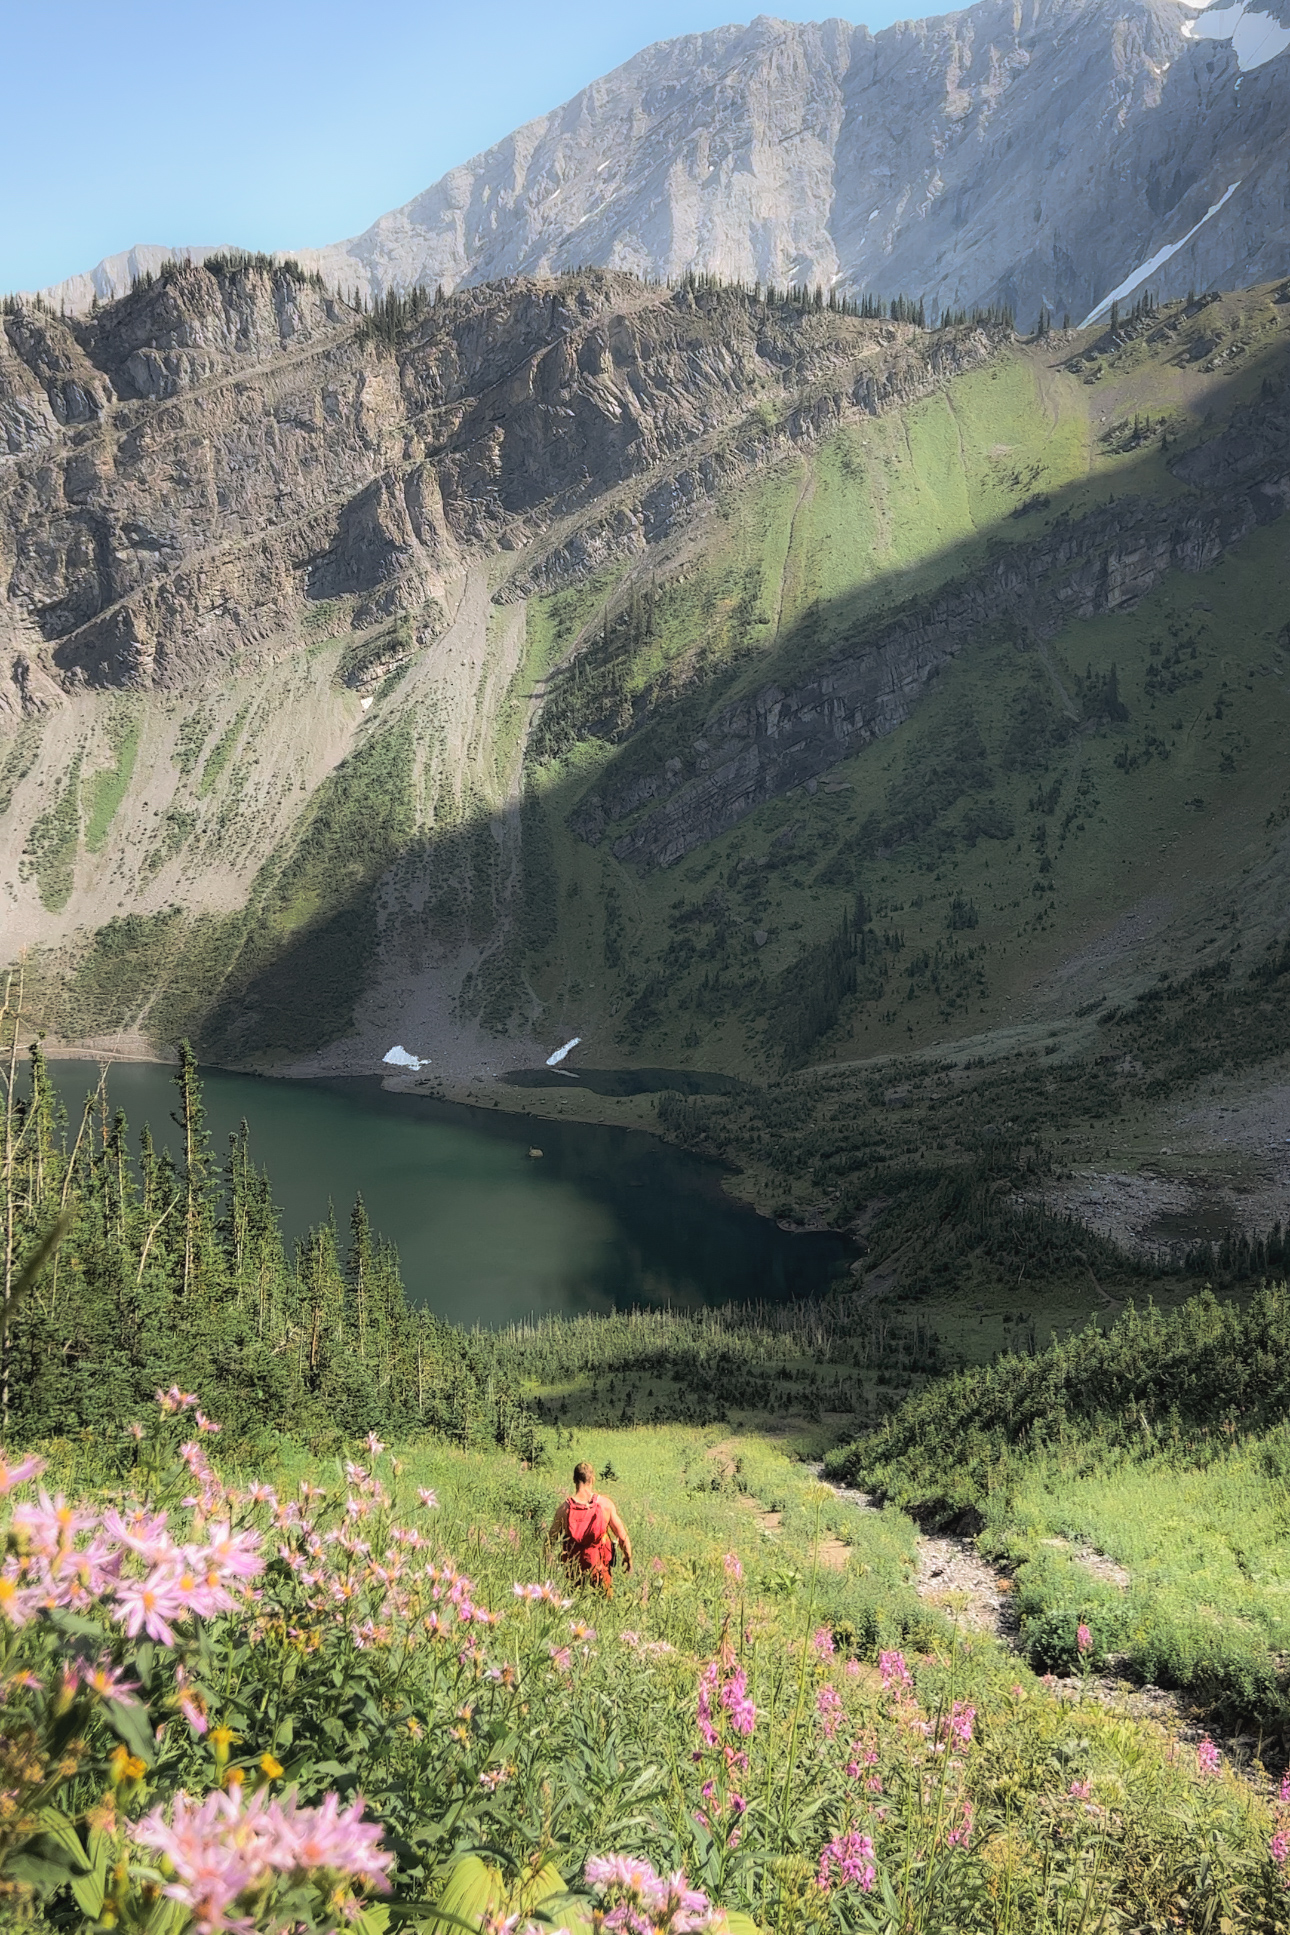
column 736, row 683
column 1024, row 155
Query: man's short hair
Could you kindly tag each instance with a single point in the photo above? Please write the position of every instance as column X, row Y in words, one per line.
column 583, row 1473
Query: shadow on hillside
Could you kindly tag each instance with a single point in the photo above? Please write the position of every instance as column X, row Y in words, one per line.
column 294, row 988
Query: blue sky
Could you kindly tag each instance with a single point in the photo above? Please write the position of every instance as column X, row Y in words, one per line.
column 275, row 123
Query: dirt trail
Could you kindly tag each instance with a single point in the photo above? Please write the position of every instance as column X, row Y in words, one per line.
column 952, row 1576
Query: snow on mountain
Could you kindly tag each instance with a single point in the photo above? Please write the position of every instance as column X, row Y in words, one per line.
column 1021, row 151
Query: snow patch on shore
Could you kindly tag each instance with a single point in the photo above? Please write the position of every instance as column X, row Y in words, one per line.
column 400, row 1058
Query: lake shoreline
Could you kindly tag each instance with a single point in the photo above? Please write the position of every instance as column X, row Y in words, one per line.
column 498, row 1212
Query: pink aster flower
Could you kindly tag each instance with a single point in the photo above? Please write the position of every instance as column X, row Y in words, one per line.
column 52, row 1523
column 107, row 1682
column 148, row 1605
column 429, row 1498
column 334, row 1838
column 12, row 1476
column 235, row 1554
column 961, row 1833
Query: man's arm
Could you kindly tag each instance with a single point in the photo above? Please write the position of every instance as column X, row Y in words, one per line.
column 618, row 1531
column 559, row 1524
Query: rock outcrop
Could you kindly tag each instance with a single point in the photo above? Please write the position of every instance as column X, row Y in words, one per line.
column 199, row 466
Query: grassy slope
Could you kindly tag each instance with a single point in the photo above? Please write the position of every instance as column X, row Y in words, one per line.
column 886, row 509
column 1160, row 1446
column 1025, row 857
column 605, row 1752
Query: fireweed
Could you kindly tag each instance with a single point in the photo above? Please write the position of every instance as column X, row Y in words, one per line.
column 262, row 1706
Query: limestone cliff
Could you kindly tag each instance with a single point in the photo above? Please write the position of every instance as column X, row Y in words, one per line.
column 1036, row 154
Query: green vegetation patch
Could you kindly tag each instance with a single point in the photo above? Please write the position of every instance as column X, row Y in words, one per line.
column 313, row 918
column 194, row 731
column 221, row 752
column 19, row 758
column 106, row 789
column 50, row 851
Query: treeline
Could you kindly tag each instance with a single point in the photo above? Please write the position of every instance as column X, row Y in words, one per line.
column 1202, row 1373
column 170, row 1267
column 229, row 262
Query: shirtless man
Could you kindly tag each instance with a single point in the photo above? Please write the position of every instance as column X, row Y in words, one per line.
column 586, row 1527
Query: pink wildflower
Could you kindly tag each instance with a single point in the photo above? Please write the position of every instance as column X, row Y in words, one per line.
column 734, row 1569
column 1084, row 1638
column 894, row 1671
column 13, row 1475
column 429, row 1499
column 561, row 1658
column 1081, row 1790
column 374, row 1444
column 644, row 1901
column 707, row 1687
column 847, row 1861
column 822, row 1641
column 335, row 1839
column 148, row 1605
column 108, row 1683
column 734, row 1698
column 225, row 1848
column 829, row 1707
column 1208, row 1758
column 52, row 1523
column 1279, row 1848
column 961, row 1720
column 175, row 1400
column 961, row 1833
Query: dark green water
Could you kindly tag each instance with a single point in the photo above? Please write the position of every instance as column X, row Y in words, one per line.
column 606, row 1219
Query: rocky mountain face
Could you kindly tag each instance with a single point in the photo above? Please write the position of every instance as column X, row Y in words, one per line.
column 503, row 664
column 1044, row 153
column 194, row 468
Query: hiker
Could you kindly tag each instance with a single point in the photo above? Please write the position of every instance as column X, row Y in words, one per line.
column 587, row 1526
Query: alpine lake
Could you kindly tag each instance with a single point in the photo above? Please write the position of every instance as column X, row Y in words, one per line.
column 487, row 1233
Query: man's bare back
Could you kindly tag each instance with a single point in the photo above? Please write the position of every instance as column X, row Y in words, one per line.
column 595, row 1559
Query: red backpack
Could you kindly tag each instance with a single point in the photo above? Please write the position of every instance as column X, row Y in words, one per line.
column 587, row 1540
